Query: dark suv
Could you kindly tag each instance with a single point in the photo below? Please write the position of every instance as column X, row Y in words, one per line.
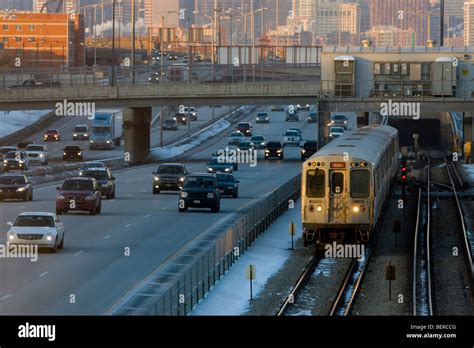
column 15, row 186
column 104, row 178
column 274, row 149
column 81, row 194
column 245, row 128
column 169, row 176
column 200, row 191
column 72, row 153
column 16, row 160
column 309, row 149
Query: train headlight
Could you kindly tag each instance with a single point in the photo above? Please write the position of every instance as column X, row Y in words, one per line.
column 356, row 209
column 319, row 208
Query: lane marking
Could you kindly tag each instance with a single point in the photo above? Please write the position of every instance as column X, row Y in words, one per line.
column 147, row 216
column 21, row 207
column 108, row 236
column 43, row 274
column 6, row 296
column 79, row 253
column 128, row 225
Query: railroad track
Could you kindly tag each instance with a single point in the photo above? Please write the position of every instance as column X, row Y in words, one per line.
column 422, row 280
column 350, row 286
column 454, row 179
column 300, row 284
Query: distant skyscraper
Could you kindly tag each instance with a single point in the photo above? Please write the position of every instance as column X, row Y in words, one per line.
column 20, row 5
column 411, row 15
column 52, row 5
column 469, row 23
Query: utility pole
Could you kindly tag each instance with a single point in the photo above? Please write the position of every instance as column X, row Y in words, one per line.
column 161, row 49
column 441, row 17
column 112, row 80
column 95, row 35
column 134, row 18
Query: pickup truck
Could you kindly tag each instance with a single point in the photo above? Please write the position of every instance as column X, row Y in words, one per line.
column 32, row 83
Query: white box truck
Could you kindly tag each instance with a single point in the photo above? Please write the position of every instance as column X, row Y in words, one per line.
column 106, row 130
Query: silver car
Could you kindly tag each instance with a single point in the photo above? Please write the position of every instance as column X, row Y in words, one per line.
column 42, row 229
column 235, row 138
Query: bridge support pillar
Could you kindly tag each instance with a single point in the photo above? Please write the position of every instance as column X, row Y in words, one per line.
column 137, row 133
column 362, row 119
column 467, row 127
column 323, row 128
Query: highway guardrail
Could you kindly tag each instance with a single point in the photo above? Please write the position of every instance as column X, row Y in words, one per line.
column 178, row 285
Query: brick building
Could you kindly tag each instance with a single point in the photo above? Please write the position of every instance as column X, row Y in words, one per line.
column 44, row 39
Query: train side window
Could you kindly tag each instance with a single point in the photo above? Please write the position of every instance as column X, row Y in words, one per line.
column 315, row 183
column 360, row 183
column 337, row 182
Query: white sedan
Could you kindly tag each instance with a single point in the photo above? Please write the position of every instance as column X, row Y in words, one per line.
column 235, row 138
column 291, row 137
column 42, row 229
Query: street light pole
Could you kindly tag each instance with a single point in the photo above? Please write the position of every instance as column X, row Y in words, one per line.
column 112, row 81
column 95, row 35
column 134, row 17
column 161, row 45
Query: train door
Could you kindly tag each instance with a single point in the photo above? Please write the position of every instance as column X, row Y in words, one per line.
column 337, row 196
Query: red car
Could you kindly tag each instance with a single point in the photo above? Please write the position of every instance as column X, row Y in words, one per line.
column 52, row 135
column 81, row 194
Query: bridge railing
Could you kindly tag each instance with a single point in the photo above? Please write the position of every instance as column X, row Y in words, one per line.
column 168, row 74
column 391, row 88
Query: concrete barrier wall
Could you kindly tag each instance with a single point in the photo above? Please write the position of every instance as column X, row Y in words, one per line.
column 21, row 134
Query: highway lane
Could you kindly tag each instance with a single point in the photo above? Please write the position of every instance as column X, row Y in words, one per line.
column 93, row 266
column 66, row 124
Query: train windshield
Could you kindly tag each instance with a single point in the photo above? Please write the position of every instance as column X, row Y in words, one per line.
column 360, row 181
column 315, row 183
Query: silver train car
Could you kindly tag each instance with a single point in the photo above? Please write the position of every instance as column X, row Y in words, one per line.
column 344, row 186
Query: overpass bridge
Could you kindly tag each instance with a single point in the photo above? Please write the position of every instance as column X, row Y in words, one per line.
column 360, row 80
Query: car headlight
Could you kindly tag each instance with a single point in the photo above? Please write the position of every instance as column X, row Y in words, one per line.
column 91, row 141
column 279, row 151
column 75, row 134
column 41, row 155
column 108, row 141
column 60, row 197
column 267, row 151
column 5, row 161
column 210, row 169
column 303, row 151
column 319, row 208
column 356, row 209
column 64, row 153
column 183, row 194
column 79, row 153
column 181, row 179
column 156, row 178
column 227, row 169
column 20, row 189
column 49, row 237
column 210, row 195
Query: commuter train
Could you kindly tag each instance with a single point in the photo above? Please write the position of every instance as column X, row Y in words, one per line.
column 344, row 186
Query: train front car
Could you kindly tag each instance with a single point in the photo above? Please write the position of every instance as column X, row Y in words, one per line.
column 345, row 184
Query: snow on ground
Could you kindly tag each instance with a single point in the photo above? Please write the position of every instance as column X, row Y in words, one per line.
column 12, row 121
column 231, row 294
column 469, row 170
column 176, row 150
